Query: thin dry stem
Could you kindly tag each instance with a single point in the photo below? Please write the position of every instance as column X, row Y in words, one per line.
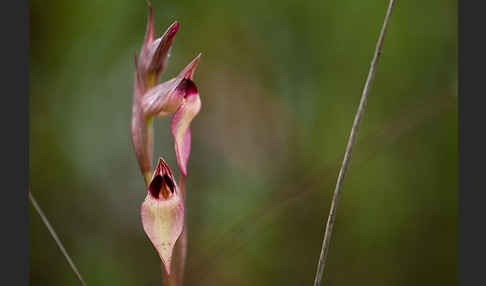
column 56, row 238
column 349, row 149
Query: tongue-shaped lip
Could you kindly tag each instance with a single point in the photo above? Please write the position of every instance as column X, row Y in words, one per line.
column 162, row 185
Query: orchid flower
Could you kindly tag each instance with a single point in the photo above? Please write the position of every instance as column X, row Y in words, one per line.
column 163, row 213
column 178, row 96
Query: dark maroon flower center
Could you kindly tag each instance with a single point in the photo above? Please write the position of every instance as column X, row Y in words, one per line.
column 161, row 184
column 187, row 86
column 169, row 183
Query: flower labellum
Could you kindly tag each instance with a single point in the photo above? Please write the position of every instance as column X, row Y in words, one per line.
column 163, row 213
column 180, row 125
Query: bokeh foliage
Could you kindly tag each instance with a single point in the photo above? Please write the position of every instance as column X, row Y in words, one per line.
column 280, row 82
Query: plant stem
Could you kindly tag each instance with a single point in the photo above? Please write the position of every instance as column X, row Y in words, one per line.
column 181, row 246
column 349, row 149
column 178, row 264
column 56, row 238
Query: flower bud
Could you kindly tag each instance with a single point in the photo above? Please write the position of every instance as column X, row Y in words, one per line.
column 154, row 53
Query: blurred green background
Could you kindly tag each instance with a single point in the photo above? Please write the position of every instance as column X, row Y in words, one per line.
column 280, row 82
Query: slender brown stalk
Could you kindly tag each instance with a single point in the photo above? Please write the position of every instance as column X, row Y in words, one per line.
column 56, row 238
column 241, row 236
column 349, row 149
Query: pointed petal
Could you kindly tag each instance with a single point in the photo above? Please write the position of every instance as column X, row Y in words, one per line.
column 188, row 71
column 163, row 215
column 149, row 33
column 180, row 125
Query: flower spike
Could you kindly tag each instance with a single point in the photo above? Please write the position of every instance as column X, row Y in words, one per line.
column 163, row 213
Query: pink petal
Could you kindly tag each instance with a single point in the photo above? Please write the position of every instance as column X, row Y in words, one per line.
column 159, row 51
column 154, row 53
column 188, row 71
column 163, row 99
column 163, row 213
column 149, row 33
column 180, row 124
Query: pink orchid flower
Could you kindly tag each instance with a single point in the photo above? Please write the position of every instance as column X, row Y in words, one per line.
column 163, row 213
